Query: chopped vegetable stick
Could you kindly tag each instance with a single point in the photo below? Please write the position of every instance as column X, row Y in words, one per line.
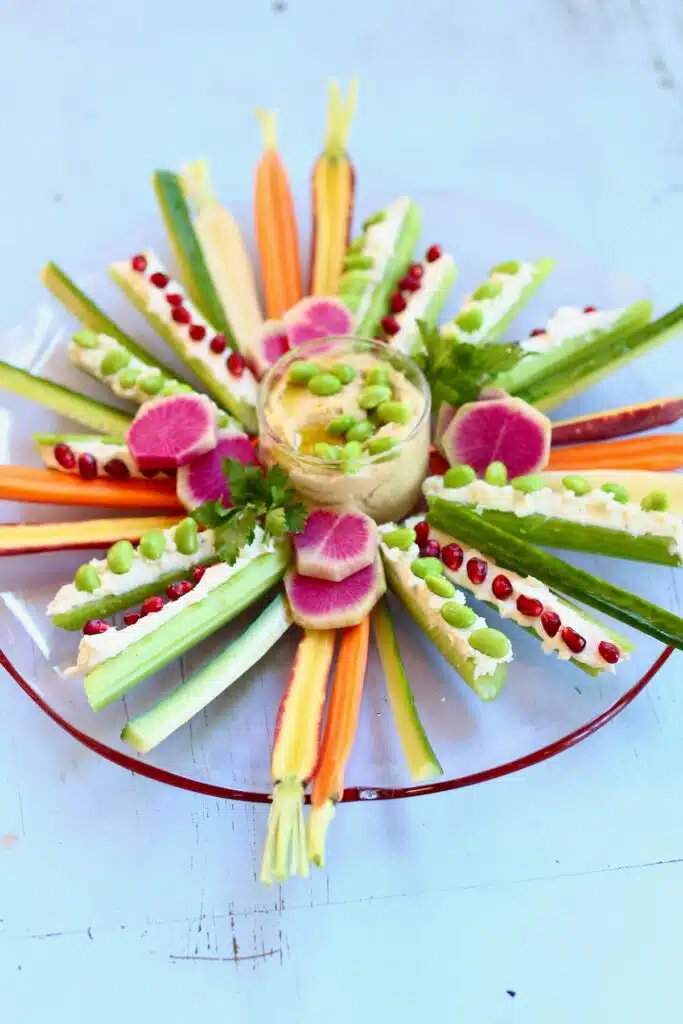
column 48, row 487
column 422, row 761
column 658, row 451
column 33, row 538
column 276, row 230
column 147, row 730
column 339, row 734
column 226, row 256
column 333, row 184
column 295, row 753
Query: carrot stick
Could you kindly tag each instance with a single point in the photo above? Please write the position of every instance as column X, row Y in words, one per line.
column 276, row 231
column 660, row 452
column 50, row 487
column 333, row 182
column 32, row 538
column 340, row 731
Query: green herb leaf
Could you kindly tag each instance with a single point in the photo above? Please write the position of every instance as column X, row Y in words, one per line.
column 235, row 534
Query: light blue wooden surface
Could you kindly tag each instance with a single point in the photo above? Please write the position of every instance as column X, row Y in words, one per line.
column 562, row 885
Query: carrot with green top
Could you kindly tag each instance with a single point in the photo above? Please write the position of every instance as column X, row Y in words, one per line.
column 340, row 732
column 295, row 755
column 333, row 187
column 276, row 231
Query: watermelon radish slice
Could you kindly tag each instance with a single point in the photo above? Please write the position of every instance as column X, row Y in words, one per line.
column 169, row 432
column 324, row 604
column 329, row 316
column 203, row 478
column 271, row 344
column 335, row 544
column 505, row 430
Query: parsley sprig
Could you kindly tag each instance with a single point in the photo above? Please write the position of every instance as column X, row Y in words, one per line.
column 256, row 496
column 458, row 371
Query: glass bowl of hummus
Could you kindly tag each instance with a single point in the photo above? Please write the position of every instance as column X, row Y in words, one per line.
column 348, row 419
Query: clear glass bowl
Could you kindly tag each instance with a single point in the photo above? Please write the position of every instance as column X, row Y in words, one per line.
column 546, row 707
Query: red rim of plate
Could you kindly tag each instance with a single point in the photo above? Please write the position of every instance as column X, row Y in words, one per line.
column 353, row 793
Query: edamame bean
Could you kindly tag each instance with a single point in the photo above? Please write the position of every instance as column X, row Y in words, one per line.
column 360, row 431
column 326, row 451
column 470, row 320
column 458, row 615
column 487, row 290
column 401, row 538
column 380, row 445
column 379, row 375
column 393, row 412
column 376, row 218
column 508, row 267
column 373, row 396
column 186, row 537
column 341, row 424
column 440, row 586
column 324, row 384
column 490, row 641
column 127, row 378
column 86, row 578
column 301, row 372
column 656, row 501
column 152, row 544
column 152, row 385
column 423, row 567
column 114, row 361
column 496, row 474
column 618, row 492
column 529, row 483
column 120, row 557
column 357, row 261
column 578, row 485
column 87, row 339
column 459, row 476
column 344, row 372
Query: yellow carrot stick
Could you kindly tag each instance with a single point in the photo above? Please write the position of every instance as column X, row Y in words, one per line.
column 333, row 187
column 276, row 231
column 34, row 538
column 294, row 757
column 340, row 731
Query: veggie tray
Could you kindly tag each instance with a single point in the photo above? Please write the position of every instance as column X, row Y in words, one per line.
column 462, row 590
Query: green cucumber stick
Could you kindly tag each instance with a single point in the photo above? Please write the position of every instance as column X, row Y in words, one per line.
column 88, row 411
column 147, row 730
column 511, row 553
column 188, row 252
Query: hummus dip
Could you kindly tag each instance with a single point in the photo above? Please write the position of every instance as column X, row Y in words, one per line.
column 378, row 463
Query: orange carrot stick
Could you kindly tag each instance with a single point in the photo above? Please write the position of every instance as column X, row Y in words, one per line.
column 34, row 538
column 340, row 731
column 276, row 231
column 661, row 452
column 50, row 487
column 333, row 182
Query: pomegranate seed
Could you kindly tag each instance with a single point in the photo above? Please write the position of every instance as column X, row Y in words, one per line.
column 151, row 604
column 390, row 325
column 87, row 466
column 130, row 618
column 501, row 587
column 397, row 303
column 197, row 332
column 198, row 572
column 236, row 364
column 529, row 606
column 218, row 344
column 409, row 284
column 430, row 549
column 477, row 569
column 590, row 309
column 433, row 253
column 181, row 315
column 94, row 626
column 437, row 464
column 536, row 332
column 159, row 280
column 117, row 469
column 609, row 652
column 139, row 263
column 573, row 640
column 452, row 556
column 421, row 532
column 174, row 299
column 64, row 456
column 176, row 590
column 551, row 622
column 416, row 271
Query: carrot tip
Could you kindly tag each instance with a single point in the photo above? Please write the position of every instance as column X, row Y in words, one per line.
column 339, row 117
column 268, row 121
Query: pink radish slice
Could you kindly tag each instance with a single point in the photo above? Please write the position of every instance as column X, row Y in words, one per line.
column 335, row 544
column 169, row 432
column 324, row 604
column 269, row 346
column 329, row 315
column 506, row 430
column 304, row 331
column 203, row 479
